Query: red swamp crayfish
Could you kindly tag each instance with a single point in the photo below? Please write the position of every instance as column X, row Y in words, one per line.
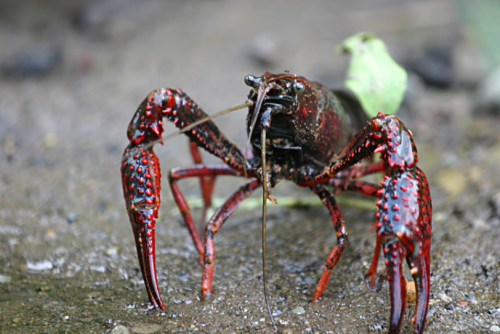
column 302, row 132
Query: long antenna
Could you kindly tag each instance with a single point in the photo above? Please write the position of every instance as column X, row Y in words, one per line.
column 264, row 214
column 263, row 90
column 194, row 124
column 209, row 117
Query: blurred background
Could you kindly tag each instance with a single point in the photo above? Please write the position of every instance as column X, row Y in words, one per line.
column 72, row 74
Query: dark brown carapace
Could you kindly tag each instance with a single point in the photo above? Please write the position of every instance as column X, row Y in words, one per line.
column 302, row 132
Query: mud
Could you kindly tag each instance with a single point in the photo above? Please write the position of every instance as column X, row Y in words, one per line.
column 67, row 254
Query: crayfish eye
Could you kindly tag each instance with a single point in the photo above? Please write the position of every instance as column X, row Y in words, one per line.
column 298, row 87
column 252, row 81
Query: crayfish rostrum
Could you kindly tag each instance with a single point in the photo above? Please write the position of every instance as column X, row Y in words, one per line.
column 298, row 131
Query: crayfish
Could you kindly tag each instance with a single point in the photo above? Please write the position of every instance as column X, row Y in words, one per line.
column 299, row 131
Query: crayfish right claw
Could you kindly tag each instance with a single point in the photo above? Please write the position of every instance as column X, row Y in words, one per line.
column 395, row 253
column 404, row 229
column 421, row 276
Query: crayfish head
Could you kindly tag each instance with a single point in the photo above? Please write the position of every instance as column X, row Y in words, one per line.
column 274, row 99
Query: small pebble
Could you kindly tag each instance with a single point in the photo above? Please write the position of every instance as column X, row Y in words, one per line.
column 298, row 310
column 38, row 266
column 5, row 279
column 277, row 312
column 94, row 295
column 495, row 328
column 120, row 329
column 112, row 251
column 411, row 291
column 100, row 269
column 445, row 298
column 50, row 140
column 71, row 217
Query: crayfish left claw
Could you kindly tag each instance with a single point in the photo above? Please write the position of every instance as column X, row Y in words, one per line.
column 145, row 244
column 141, row 187
column 404, row 229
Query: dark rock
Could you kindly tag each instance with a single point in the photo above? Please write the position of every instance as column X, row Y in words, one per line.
column 265, row 50
column 495, row 204
column 71, row 217
column 435, row 67
column 34, row 61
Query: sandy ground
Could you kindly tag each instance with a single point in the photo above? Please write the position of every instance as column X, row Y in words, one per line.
column 67, row 254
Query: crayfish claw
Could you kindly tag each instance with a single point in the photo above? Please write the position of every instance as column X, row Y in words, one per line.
column 404, row 229
column 395, row 253
column 145, row 245
column 141, row 188
column 421, row 275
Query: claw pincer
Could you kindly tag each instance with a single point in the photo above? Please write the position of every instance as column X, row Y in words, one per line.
column 141, row 187
column 404, row 220
column 141, row 169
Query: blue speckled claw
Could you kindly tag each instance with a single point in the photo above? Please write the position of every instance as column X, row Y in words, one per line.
column 141, row 188
column 404, row 229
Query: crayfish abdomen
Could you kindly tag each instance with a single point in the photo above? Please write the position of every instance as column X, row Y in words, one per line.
column 299, row 131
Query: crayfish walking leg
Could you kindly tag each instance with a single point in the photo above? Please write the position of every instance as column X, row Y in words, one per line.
column 342, row 237
column 194, row 171
column 213, row 226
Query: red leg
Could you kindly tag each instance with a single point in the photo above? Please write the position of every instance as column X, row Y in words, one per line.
column 373, row 267
column 367, row 188
column 342, row 238
column 194, row 171
column 213, row 227
column 356, row 172
column 206, row 184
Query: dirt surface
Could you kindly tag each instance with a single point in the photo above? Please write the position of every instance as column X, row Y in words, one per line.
column 72, row 75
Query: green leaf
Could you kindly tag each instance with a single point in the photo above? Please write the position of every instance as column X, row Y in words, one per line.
column 376, row 79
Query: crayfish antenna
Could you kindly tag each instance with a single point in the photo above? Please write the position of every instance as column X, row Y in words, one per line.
column 210, row 117
column 264, row 216
column 263, row 90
